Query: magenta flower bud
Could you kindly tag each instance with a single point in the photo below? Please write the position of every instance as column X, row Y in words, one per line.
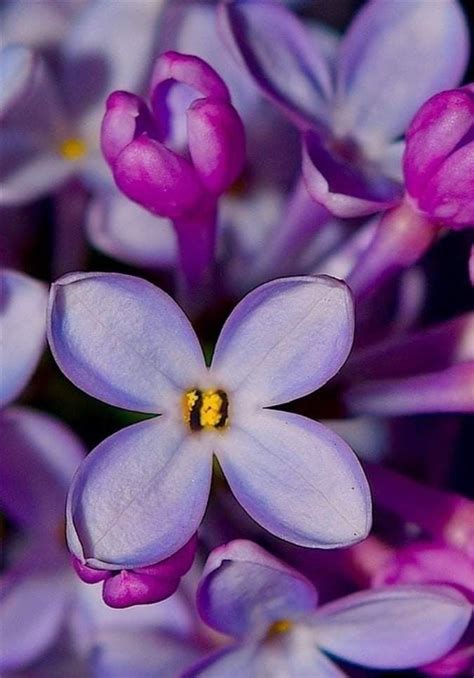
column 439, row 158
column 136, row 141
column 142, row 585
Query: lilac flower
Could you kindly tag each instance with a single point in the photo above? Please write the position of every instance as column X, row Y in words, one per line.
column 39, row 593
column 52, row 133
column 141, row 494
column 438, row 167
column 269, row 609
column 140, row 144
column 393, row 57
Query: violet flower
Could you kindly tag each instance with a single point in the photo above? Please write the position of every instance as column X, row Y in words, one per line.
column 392, row 58
column 438, row 166
column 270, row 611
column 52, row 133
column 40, row 594
column 180, row 184
column 141, row 494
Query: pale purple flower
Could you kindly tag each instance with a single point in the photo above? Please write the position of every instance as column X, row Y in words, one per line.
column 392, row 58
column 438, row 166
column 40, row 595
column 52, row 133
column 141, row 494
column 270, row 611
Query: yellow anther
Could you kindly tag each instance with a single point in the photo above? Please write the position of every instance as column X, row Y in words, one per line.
column 279, row 627
column 73, row 149
column 210, row 413
column 205, row 409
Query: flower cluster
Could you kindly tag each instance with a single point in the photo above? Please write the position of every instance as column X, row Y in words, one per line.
column 237, row 339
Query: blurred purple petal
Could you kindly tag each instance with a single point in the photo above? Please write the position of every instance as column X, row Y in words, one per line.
column 123, row 340
column 17, row 66
column 244, row 589
column 127, row 232
column 23, row 303
column 297, row 479
column 236, row 660
column 143, row 653
column 40, row 456
column 346, row 187
column 139, row 496
column 31, row 612
column 449, row 390
column 109, row 48
column 275, row 328
column 392, row 628
column 394, row 57
column 281, row 57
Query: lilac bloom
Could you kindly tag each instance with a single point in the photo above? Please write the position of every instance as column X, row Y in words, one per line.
column 175, row 177
column 38, row 589
column 270, row 611
column 52, row 133
column 141, row 494
column 392, row 58
column 438, row 166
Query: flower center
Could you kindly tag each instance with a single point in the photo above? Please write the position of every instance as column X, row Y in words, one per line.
column 205, row 409
column 278, row 627
column 72, row 149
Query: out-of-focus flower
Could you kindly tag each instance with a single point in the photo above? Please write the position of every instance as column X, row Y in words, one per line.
column 269, row 609
column 144, row 150
column 393, row 57
column 141, row 494
column 438, row 167
column 40, row 594
column 52, row 133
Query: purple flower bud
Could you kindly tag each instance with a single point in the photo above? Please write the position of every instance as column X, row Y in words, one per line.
column 439, row 158
column 160, row 178
column 142, row 585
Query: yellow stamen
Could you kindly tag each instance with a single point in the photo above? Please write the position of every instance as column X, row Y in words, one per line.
column 205, row 409
column 278, row 627
column 72, row 149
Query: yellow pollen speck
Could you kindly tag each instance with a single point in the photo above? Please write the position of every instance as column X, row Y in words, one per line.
column 210, row 413
column 72, row 149
column 279, row 627
column 190, row 398
column 205, row 409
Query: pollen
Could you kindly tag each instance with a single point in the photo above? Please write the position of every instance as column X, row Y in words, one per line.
column 205, row 409
column 278, row 627
column 73, row 149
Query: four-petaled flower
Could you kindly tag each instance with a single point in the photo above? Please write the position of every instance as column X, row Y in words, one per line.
column 141, row 494
column 270, row 611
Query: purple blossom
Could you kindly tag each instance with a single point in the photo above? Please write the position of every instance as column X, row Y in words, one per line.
column 141, row 494
column 269, row 610
column 392, row 58
column 52, row 133
column 144, row 148
column 39, row 592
